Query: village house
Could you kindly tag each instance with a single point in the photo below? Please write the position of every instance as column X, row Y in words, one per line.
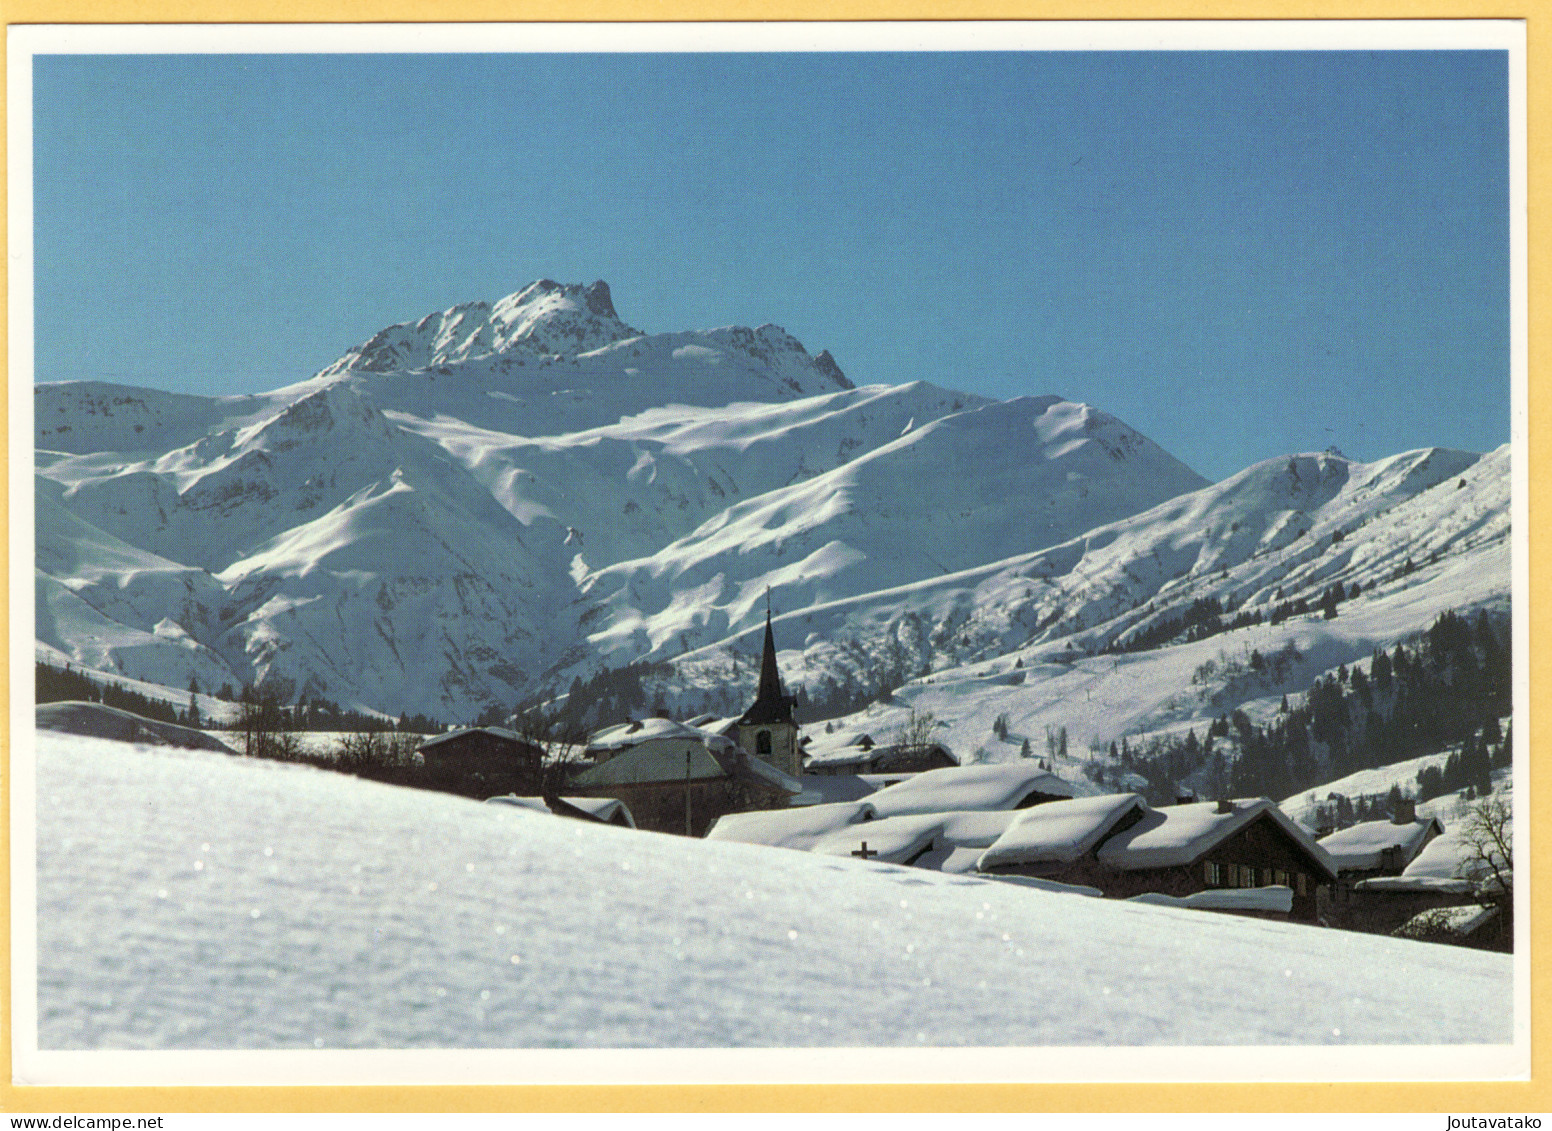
column 678, row 778
column 481, row 761
column 861, row 755
column 1124, row 848
column 1442, row 877
column 1368, row 850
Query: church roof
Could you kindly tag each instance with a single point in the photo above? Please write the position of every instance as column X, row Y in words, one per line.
column 770, row 704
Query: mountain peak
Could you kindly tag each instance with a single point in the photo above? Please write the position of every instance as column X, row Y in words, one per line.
column 545, row 318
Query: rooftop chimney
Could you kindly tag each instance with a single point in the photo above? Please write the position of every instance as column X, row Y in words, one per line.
column 1406, row 812
column 1225, row 805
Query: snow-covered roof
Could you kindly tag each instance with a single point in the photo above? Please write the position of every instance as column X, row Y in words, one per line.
column 1059, row 832
column 1363, row 846
column 626, row 735
column 497, row 732
column 885, row 780
column 532, row 804
column 797, row 828
column 944, row 842
column 1444, row 865
column 605, row 809
column 820, row 789
column 641, row 764
column 1004, row 785
column 1458, row 921
column 1273, row 897
column 1180, row 834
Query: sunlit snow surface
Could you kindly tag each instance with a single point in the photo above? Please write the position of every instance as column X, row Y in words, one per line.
column 197, row 900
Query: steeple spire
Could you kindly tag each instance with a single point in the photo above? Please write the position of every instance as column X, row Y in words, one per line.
column 770, row 703
column 770, row 678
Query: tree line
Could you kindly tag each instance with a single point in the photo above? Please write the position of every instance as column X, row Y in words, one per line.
column 1449, row 687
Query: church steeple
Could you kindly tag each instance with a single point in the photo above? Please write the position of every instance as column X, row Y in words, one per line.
column 770, row 704
column 770, row 678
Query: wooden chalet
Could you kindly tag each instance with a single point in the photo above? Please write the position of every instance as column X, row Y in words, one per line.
column 864, row 756
column 1124, row 848
column 483, row 761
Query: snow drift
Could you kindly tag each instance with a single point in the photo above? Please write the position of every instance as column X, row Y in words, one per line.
column 242, row 905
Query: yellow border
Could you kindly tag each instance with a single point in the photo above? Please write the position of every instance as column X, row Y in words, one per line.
column 1534, row 1096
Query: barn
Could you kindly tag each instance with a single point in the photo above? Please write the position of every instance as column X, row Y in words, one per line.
column 483, row 761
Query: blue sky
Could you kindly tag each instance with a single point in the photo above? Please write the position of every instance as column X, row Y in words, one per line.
column 1241, row 255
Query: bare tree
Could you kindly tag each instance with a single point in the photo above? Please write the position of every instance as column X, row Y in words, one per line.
column 262, row 722
column 1487, row 850
column 368, row 750
column 563, row 742
column 915, row 734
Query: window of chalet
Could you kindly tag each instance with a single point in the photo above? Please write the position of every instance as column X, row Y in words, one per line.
column 1301, row 882
column 1247, row 876
column 1212, row 874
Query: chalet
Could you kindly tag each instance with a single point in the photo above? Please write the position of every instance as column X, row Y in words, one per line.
column 482, row 761
column 1442, row 876
column 678, row 778
column 1368, row 850
column 1381, row 848
column 1126, row 849
column 861, row 755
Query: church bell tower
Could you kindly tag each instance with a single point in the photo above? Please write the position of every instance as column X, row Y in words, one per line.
column 767, row 729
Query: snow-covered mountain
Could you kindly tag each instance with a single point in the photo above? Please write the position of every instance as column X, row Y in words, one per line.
column 495, row 499
column 1039, row 639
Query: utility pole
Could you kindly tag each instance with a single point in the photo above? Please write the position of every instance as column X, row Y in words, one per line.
column 687, row 826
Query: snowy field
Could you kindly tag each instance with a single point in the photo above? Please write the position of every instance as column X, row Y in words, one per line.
column 189, row 900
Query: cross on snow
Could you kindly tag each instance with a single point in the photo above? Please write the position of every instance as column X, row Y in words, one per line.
column 865, row 852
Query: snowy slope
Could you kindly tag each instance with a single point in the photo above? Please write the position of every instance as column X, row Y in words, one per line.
column 1023, row 637
column 954, row 493
column 234, row 904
